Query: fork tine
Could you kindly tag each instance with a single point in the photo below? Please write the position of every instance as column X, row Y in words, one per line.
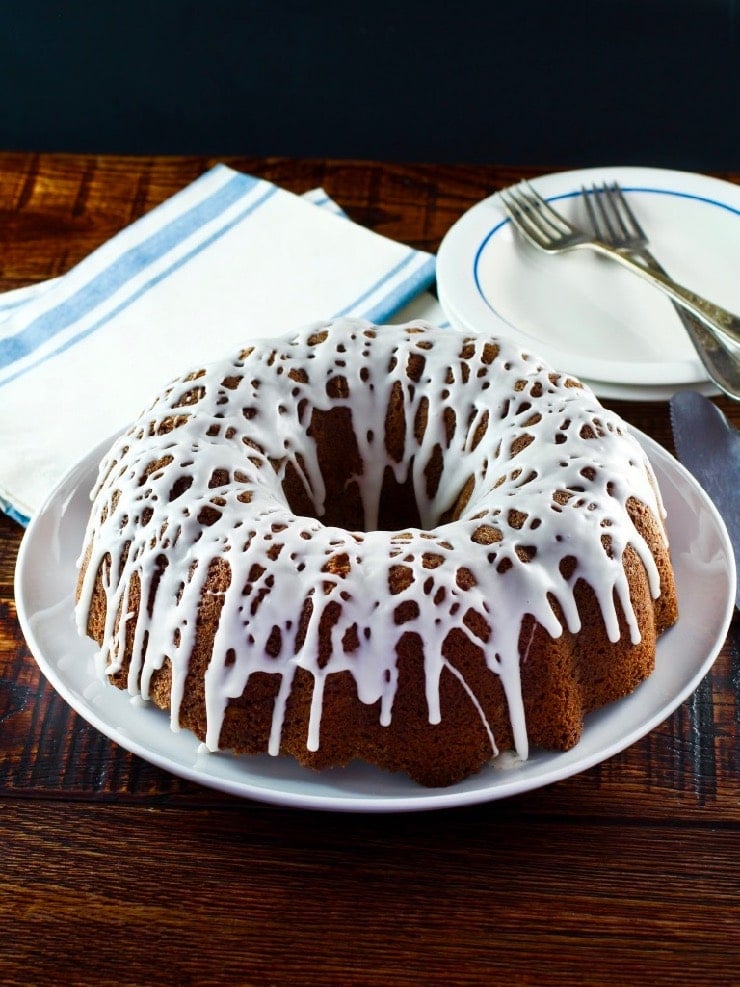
column 604, row 204
column 596, row 217
column 618, row 195
column 548, row 213
column 616, row 200
column 609, row 214
column 520, row 213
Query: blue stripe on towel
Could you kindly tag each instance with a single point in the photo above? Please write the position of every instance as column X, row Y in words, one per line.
column 16, row 297
column 394, row 299
column 123, row 269
column 402, row 293
column 202, row 245
column 7, row 508
column 73, row 340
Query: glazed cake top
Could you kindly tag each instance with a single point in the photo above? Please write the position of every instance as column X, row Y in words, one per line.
column 539, row 470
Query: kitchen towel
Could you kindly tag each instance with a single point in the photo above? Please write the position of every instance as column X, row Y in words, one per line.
column 228, row 259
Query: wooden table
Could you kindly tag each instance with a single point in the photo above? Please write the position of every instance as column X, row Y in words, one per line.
column 115, row 872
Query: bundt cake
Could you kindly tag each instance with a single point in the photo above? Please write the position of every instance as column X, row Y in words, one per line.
column 406, row 545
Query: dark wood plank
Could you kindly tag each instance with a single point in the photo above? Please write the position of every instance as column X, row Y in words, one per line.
column 469, row 897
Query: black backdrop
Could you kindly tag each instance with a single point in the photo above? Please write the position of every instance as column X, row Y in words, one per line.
column 601, row 81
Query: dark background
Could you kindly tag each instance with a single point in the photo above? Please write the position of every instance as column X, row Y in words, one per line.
column 562, row 82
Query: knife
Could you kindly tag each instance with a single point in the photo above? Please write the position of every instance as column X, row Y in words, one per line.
column 709, row 447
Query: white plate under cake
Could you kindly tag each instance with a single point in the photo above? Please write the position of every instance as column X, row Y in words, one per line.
column 409, row 546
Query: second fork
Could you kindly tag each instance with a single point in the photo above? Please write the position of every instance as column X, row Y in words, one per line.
column 614, row 222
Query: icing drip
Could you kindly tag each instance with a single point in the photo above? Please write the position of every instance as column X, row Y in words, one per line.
column 539, row 470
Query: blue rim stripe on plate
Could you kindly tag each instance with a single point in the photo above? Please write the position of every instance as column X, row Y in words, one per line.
column 575, row 195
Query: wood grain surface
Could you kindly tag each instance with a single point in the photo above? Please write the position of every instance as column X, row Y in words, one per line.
column 115, row 872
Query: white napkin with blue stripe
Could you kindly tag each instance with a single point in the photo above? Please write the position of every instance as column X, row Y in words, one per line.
column 229, row 258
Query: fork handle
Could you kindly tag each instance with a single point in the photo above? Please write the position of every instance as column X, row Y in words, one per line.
column 722, row 366
column 714, row 316
column 718, row 360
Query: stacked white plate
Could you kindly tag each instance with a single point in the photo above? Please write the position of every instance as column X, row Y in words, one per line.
column 583, row 313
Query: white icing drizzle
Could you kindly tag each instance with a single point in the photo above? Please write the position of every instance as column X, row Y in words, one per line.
column 277, row 558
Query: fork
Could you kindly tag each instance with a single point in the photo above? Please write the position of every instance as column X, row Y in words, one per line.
column 546, row 229
column 614, row 223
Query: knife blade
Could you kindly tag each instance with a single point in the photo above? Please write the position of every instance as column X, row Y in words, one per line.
column 709, row 447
